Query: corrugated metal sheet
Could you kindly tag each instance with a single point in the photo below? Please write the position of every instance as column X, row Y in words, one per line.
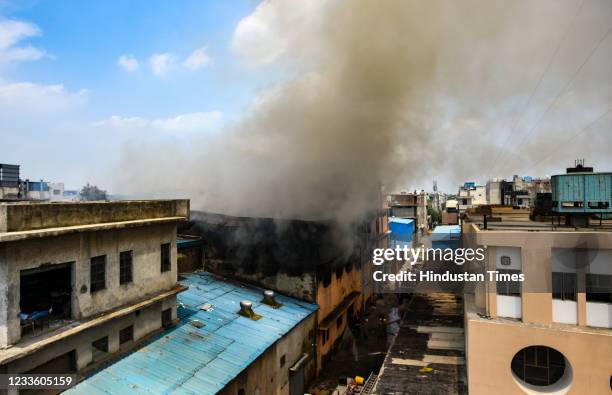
column 190, row 360
column 582, row 192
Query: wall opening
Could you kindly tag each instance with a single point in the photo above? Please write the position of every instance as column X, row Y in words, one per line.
column 45, row 297
column 541, row 369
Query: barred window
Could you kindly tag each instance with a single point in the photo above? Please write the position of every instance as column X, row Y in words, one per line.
column 564, row 286
column 125, row 267
column 599, row 288
column 539, row 365
column 97, row 273
column 509, row 288
column 165, row 257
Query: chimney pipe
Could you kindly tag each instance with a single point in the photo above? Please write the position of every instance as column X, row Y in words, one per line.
column 269, row 300
column 246, row 310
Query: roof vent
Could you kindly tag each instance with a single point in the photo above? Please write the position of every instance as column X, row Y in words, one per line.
column 269, row 300
column 246, row 310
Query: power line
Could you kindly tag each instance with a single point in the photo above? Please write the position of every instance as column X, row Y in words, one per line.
column 567, row 85
column 535, row 89
column 554, row 150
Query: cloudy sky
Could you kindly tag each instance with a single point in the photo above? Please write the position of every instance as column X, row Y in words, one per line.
column 86, row 84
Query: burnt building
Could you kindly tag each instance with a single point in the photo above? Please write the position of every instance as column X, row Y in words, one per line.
column 319, row 262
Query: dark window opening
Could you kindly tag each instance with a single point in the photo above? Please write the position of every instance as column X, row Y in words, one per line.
column 241, row 391
column 508, row 288
column 99, row 348
column 125, row 267
column 325, row 336
column 126, row 334
column 97, row 273
column 571, row 204
column 45, row 297
column 564, row 286
column 282, row 360
column 599, row 205
column 538, row 365
column 339, row 322
column 166, row 316
column 165, row 257
column 599, row 288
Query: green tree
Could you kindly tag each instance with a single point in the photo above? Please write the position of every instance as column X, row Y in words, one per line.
column 92, row 192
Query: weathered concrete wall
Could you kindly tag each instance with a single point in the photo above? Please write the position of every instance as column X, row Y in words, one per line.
column 265, row 376
column 31, row 216
column 145, row 243
column 147, row 320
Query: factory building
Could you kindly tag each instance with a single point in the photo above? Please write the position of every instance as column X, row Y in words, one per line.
column 82, row 281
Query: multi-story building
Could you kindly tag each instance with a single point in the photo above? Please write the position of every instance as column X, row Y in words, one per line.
column 303, row 259
column 552, row 332
column 410, row 205
column 9, row 182
column 471, row 195
column 80, row 281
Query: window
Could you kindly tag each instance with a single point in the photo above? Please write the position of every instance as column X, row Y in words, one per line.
column 166, row 317
column 599, row 288
column 282, row 360
column 505, row 260
column 125, row 267
column 126, row 334
column 99, row 348
column 564, row 286
column 599, row 205
column 325, row 336
column 165, row 257
column 97, row 273
column 572, row 204
column 538, row 365
column 57, row 192
column 508, row 288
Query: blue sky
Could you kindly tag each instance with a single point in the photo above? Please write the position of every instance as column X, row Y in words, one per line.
column 87, row 85
column 72, row 79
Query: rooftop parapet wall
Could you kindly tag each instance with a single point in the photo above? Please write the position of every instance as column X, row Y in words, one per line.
column 24, row 216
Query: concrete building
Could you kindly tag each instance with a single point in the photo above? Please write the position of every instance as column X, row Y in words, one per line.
column 471, row 195
column 410, row 205
column 9, row 181
column 219, row 346
column 80, row 281
column 551, row 333
column 302, row 259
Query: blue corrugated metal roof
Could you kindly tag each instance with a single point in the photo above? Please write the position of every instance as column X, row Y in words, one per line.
column 455, row 229
column 190, row 360
column 401, row 220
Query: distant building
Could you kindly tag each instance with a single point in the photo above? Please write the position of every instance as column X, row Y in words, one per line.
column 9, row 182
column 410, row 205
column 446, row 236
column 520, row 192
column 230, row 339
column 81, row 281
column 471, row 195
column 552, row 332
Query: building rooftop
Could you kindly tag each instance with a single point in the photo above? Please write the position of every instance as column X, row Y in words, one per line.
column 535, row 226
column 208, row 348
column 401, row 220
column 23, row 220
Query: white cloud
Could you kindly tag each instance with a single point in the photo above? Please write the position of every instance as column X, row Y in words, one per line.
column 197, row 59
column 11, row 33
column 128, row 62
column 190, row 122
column 18, row 98
column 160, row 63
column 274, row 28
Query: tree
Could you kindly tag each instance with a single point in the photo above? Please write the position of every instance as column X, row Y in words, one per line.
column 92, row 192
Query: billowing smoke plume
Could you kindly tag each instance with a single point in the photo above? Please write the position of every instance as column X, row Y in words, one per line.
column 377, row 92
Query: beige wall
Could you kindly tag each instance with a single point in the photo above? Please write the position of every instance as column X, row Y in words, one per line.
column 265, row 376
column 492, row 345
